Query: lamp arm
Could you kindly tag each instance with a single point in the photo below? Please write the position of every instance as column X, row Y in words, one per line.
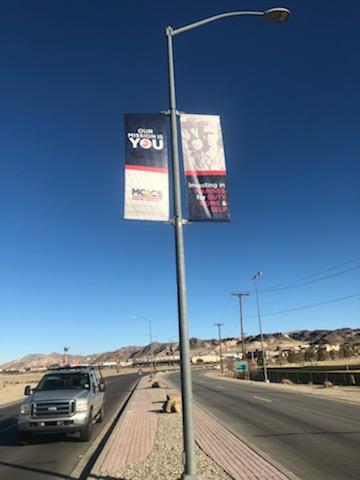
column 191, row 26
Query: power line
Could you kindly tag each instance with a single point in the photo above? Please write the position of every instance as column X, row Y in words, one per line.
column 305, row 307
column 270, row 289
column 313, row 274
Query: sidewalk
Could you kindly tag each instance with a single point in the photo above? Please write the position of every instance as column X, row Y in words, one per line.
column 133, row 437
column 133, row 440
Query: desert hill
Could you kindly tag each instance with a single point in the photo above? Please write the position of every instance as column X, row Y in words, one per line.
column 274, row 341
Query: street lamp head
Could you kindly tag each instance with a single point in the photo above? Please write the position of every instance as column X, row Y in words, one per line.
column 277, row 15
column 258, row 274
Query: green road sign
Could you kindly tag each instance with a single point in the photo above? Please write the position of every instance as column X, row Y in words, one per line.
column 241, row 366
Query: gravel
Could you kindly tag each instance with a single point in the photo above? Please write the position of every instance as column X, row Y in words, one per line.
column 165, row 460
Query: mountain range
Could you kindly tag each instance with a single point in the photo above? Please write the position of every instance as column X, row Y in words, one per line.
column 273, row 341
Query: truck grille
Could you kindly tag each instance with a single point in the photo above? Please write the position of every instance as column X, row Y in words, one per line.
column 53, row 409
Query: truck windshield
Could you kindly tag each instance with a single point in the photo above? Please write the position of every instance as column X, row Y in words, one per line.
column 65, row 381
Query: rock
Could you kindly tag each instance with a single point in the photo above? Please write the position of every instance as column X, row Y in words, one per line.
column 172, row 404
column 328, row 384
column 176, row 406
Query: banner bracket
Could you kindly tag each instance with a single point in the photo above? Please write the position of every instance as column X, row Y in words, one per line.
column 167, row 112
column 172, row 221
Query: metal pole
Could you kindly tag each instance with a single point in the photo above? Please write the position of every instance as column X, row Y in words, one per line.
column 190, row 471
column 152, row 362
column 219, row 325
column 242, row 328
column 261, row 332
column 242, row 336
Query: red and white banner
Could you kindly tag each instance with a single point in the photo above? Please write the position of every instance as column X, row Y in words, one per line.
column 146, row 168
column 204, row 165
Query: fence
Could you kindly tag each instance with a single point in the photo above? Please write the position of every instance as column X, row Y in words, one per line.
column 315, row 375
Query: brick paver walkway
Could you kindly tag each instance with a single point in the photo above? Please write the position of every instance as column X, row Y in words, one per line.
column 133, row 438
column 228, row 451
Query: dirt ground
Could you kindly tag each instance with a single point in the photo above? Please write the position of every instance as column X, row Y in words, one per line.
column 12, row 386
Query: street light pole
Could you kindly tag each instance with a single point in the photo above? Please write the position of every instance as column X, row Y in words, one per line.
column 277, row 15
column 242, row 336
column 219, row 325
column 190, row 472
column 152, row 360
column 255, row 277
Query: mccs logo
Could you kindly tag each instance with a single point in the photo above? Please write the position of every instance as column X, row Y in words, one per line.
column 148, row 195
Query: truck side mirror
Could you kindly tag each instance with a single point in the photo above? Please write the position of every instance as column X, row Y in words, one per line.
column 27, row 390
column 102, row 387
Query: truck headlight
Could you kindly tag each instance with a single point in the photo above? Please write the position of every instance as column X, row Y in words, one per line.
column 81, row 405
column 25, row 409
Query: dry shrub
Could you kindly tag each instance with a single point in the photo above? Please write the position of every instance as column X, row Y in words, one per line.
column 328, row 384
column 286, row 381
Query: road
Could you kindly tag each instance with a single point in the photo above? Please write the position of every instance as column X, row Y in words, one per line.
column 52, row 457
column 314, row 438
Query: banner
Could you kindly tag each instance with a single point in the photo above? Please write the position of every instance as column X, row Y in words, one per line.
column 204, row 165
column 146, row 168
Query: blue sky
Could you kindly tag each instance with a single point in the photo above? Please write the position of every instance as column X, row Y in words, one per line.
column 73, row 272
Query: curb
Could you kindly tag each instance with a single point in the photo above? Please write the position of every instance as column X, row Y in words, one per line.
column 10, row 404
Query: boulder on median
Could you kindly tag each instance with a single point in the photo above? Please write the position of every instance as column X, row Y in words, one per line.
column 328, row 384
column 172, row 404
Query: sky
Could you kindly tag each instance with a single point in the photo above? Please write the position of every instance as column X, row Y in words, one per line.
column 74, row 272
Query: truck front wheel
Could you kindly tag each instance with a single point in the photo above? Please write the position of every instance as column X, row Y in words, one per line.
column 101, row 414
column 24, row 437
column 86, row 432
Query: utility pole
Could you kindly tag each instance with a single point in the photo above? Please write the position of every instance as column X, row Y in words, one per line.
column 219, row 325
column 242, row 336
column 255, row 277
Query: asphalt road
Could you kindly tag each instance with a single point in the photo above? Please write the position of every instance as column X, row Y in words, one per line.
column 314, row 438
column 52, row 457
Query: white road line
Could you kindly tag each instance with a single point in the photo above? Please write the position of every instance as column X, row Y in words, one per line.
column 262, row 398
column 7, row 428
column 221, row 387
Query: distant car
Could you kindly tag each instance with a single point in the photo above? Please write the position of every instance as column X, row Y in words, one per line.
column 65, row 400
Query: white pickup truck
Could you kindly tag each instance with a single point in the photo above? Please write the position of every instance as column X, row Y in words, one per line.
column 65, row 400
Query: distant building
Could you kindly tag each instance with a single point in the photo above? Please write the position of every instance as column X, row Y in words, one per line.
column 211, row 358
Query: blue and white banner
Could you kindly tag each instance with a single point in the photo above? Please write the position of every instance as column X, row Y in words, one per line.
column 146, row 168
